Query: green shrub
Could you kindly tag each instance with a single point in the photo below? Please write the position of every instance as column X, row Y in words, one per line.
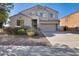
column 21, row 31
column 15, row 30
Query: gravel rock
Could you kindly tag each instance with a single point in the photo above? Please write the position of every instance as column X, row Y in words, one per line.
column 37, row 51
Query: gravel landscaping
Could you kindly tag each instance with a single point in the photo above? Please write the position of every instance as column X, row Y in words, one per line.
column 37, row 51
column 23, row 40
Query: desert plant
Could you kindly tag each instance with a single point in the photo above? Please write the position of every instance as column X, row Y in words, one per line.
column 30, row 32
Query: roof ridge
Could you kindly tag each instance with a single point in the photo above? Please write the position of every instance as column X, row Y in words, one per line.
column 36, row 6
column 70, row 14
column 24, row 14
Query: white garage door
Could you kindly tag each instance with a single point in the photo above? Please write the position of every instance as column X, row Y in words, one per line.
column 48, row 27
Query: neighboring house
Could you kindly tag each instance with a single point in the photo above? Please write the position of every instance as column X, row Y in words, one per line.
column 71, row 22
column 42, row 17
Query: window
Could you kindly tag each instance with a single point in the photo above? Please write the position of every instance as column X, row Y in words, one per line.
column 41, row 13
column 56, row 16
column 20, row 22
column 51, row 15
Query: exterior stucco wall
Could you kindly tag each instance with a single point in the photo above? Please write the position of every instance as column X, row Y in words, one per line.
column 70, row 21
column 27, row 20
column 62, row 22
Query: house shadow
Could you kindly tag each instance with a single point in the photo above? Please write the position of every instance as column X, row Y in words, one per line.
column 41, row 35
column 50, row 35
column 74, row 30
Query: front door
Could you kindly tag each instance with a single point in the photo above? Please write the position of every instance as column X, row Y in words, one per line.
column 34, row 23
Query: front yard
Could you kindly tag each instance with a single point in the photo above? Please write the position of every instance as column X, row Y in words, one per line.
column 22, row 45
column 19, row 37
column 40, row 40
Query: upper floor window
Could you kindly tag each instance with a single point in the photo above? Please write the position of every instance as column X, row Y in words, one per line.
column 41, row 13
column 56, row 16
column 51, row 15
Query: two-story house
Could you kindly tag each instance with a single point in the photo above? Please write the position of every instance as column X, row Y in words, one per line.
column 42, row 17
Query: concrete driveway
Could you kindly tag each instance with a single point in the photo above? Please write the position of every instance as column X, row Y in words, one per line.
column 63, row 39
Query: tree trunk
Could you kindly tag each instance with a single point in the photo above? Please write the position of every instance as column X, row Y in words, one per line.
column 1, row 25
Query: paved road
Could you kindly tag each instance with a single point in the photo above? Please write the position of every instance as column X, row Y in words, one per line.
column 37, row 51
column 68, row 39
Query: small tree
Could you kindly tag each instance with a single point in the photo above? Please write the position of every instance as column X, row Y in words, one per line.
column 4, row 12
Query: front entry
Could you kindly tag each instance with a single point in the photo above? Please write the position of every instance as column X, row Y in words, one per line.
column 34, row 23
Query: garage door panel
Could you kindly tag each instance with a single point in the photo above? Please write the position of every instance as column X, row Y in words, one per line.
column 48, row 27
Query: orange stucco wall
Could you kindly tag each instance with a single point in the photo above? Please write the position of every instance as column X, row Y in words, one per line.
column 70, row 21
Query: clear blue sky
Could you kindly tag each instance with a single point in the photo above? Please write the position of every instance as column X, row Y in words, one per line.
column 63, row 8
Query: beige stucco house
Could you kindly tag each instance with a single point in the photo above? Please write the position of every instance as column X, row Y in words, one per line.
column 42, row 17
column 71, row 21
